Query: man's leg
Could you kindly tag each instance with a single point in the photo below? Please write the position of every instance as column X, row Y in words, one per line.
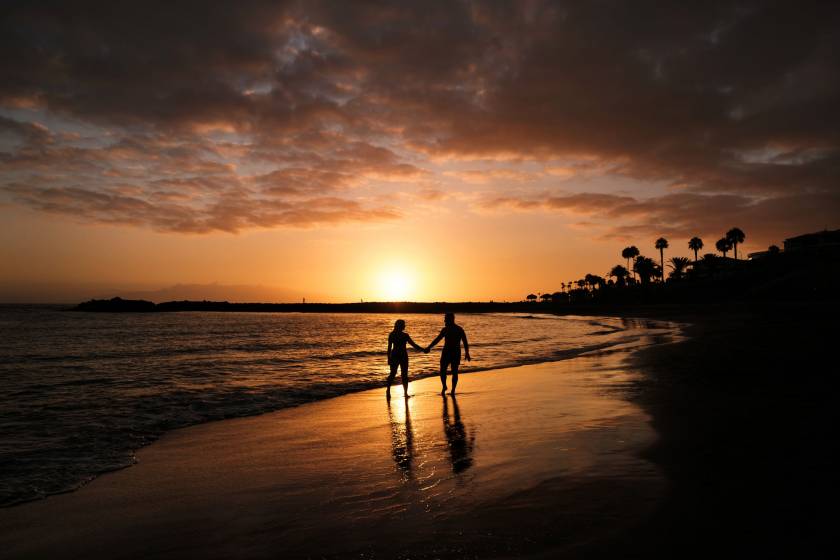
column 455, row 366
column 443, row 365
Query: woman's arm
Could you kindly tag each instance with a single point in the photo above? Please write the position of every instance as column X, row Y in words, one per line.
column 390, row 343
column 414, row 344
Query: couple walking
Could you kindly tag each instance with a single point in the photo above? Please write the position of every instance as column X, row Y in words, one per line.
column 452, row 335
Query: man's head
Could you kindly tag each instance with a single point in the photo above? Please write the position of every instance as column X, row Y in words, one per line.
column 399, row 325
column 449, row 319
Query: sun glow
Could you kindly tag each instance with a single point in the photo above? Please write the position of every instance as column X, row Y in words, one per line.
column 395, row 284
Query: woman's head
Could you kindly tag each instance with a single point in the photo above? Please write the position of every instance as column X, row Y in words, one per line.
column 399, row 325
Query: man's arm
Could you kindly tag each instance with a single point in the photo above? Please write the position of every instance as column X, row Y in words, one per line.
column 436, row 340
column 466, row 345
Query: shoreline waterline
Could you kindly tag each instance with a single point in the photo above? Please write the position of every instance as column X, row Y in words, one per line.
column 515, row 438
column 613, row 330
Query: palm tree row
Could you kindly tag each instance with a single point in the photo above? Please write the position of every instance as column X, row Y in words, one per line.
column 645, row 269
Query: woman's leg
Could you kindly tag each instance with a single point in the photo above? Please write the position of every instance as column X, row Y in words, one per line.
column 404, row 374
column 390, row 378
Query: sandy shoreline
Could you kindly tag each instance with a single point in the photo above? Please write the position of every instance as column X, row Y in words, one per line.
column 721, row 444
column 525, row 460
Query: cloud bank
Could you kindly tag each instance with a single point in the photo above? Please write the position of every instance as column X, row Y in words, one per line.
column 187, row 117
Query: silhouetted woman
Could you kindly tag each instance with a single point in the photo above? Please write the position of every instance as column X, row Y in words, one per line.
column 398, row 355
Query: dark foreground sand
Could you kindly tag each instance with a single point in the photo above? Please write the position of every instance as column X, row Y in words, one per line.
column 529, row 460
column 746, row 414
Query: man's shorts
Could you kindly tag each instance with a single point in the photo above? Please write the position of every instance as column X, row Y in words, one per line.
column 450, row 358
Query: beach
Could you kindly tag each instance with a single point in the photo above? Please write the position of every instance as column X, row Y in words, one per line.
column 714, row 440
column 745, row 414
column 523, row 460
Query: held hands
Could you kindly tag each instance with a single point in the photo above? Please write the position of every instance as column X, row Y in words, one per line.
column 467, row 356
column 426, row 350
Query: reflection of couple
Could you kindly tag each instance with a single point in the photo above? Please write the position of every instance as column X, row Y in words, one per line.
column 452, row 336
column 459, row 440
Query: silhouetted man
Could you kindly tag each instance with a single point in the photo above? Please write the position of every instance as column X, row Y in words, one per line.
column 451, row 355
column 461, row 443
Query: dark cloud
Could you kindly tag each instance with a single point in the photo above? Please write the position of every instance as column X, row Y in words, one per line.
column 164, row 211
column 254, row 114
column 766, row 220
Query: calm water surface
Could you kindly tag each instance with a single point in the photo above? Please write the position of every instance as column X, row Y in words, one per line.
column 81, row 392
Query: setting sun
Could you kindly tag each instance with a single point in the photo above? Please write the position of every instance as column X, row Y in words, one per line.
column 395, row 285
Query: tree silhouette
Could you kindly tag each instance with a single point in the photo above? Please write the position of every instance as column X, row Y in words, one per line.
column 678, row 266
column 594, row 281
column 695, row 244
column 662, row 244
column 774, row 249
column 645, row 268
column 630, row 252
column 531, row 297
column 557, row 296
column 620, row 274
column 723, row 245
column 735, row 236
column 545, row 296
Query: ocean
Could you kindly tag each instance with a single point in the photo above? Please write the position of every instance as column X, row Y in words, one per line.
column 81, row 392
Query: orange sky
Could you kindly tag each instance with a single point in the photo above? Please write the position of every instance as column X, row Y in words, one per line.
column 437, row 255
column 422, row 151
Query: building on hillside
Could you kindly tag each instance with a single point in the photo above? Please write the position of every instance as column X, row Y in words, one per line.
column 821, row 242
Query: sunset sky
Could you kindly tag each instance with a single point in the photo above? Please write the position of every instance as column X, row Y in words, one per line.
column 449, row 150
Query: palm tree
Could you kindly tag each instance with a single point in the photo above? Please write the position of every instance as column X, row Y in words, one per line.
column 563, row 286
column 630, row 252
column 735, row 236
column 678, row 266
column 645, row 268
column 695, row 244
column 620, row 274
column 662, row 244
column 723, row 245
column 531, row 297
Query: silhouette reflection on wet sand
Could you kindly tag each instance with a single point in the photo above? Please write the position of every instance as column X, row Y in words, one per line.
column 459, row 441
column 402, row 438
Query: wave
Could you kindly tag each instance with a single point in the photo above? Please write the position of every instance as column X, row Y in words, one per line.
column 148, row 406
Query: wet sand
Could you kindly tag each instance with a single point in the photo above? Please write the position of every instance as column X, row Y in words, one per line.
column 535, row 460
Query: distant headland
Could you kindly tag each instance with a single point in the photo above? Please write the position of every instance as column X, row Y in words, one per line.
column 119, row 305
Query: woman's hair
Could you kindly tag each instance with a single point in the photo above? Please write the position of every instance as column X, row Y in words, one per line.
column 399, row 325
